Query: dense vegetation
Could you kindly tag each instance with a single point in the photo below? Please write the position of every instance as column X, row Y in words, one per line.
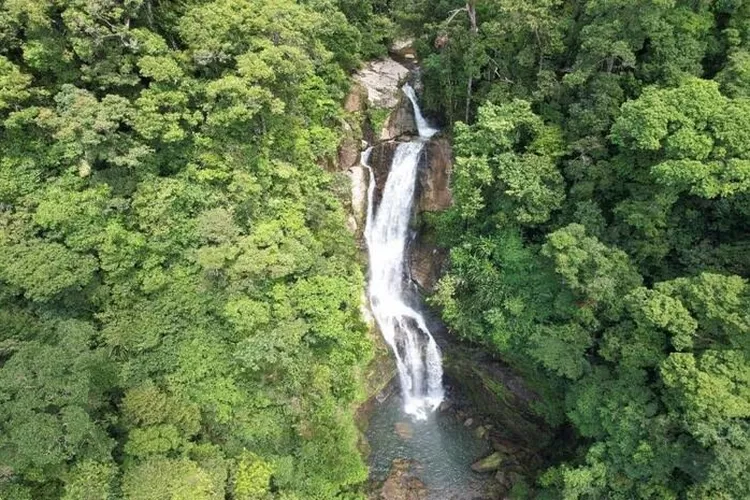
column 600, row 237
column 179, row 297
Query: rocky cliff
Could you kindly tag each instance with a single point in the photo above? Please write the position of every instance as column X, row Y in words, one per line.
column 381, row 116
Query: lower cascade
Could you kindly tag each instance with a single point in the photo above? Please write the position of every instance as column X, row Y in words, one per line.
column 417, row 354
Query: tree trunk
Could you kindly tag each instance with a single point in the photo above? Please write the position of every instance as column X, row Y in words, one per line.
column 468, row 99
column 471, row 10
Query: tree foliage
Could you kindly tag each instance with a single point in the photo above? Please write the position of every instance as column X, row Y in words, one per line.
column 599, row 233
column 179, row 297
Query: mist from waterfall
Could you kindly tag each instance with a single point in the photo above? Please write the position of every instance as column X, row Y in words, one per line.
column 404, row 329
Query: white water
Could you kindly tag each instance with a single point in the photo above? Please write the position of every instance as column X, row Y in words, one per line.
column 425, row 131
column 404, row 329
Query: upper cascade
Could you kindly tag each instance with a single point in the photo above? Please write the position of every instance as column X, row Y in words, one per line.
column 425, row 131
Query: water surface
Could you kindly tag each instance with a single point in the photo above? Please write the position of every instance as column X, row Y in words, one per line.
column 442, row 445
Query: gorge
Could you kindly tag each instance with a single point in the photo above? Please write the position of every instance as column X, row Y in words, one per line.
column 403, row 327
column 428, row 453
column 417, row 445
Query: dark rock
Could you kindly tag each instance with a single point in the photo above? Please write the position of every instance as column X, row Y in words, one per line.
column 445, row 405
column 501, row 395
column 503, row 445
column 426, row 263
column 435, row 176
column 400, row 123
column 380, row 163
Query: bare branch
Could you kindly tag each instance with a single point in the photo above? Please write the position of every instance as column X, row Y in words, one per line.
column 454, row 13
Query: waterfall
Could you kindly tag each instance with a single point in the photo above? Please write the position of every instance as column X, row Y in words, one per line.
column 425, row 131
column 403, row 327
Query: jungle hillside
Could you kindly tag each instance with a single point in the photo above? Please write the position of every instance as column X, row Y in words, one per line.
column 180, row 296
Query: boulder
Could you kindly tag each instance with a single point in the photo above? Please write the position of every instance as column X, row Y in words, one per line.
column 489, row 463
column 356, row 99
column 349, row 151
column 481, row 432
column 401, row 483
column 400, row 122
column 502, row 478
column 435, row 176
column 351, row 224
column 404, row 430
column 503, row 446
column 403, row 49
column 382, row 79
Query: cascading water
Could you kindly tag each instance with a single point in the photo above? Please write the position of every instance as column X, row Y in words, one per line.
column 404, row 329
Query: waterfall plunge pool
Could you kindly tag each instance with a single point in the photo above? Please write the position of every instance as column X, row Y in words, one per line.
column 441, row 445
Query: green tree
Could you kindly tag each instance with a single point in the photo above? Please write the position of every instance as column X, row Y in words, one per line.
column 177, row 282
column 511, row 151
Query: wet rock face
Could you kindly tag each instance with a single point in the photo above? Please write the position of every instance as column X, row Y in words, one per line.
column 502, row 397
column 426, row 263
column 380, row 163
column 382, row 79
column 426, row 260
column 400, row 123
column 434, row 193
column 435, row 176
